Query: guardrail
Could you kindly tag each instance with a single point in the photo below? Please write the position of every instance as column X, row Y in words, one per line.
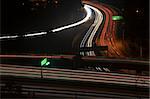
column 78, row 75
column 99, row 58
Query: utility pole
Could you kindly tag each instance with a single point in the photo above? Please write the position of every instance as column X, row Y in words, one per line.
column 123, row 36
column 141, row 51
column 41, row 71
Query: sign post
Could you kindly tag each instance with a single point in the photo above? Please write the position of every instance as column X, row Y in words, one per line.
column 44, row 62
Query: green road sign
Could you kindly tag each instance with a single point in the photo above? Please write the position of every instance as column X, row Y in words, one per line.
column 115, row 18
column 45, row 62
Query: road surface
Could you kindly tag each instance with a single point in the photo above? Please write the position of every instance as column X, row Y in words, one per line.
column 66, row 74
column 107, row 37
column 101, row 32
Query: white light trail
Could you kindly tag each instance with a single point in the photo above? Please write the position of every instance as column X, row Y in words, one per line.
column 99, row 21
column 89, row 13
column 7, row 37
column 88, row 38
column 35, row 34
column 26, row 35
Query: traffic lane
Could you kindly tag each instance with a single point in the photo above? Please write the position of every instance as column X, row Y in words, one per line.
column 60, row 36
column 22, row 16
column 112, row 34
column 103, row 38
column 107, row 28
column 87, row 41
column 76, row 75
column 88, row 15
column 52, row 42
column 63, row 27
column 67, row 88
column 99, row 19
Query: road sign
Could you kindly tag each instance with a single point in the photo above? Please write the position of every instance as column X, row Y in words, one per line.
column 44, row 62
column 116, row 18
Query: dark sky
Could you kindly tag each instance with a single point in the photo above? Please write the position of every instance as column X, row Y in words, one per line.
column 137, row 23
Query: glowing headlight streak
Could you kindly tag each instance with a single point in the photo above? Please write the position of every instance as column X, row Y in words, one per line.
column 88, row 38
column 99, row 19
column 89, row 13
column 26, row 35
column 7, row 37
column 35, row 34
column 83, row 42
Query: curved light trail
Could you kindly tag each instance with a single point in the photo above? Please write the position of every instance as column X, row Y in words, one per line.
column 88, row 15
column 88, row 38
column 108, row 33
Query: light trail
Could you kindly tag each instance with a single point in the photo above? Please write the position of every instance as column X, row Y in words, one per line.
column 99, row 21
column 26, row 35
column 78, row 75
column 35, row 34
column 88, row 15
column 8, row 37
column 108, row 34
column 88, row 38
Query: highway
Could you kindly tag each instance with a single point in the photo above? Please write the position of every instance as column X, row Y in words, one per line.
column 102, row 14
column 79, row 75
column 89, row 36
column 88, row 15
column 101, row 32
column 107, row 37
column 96, row 29
column 124, row 85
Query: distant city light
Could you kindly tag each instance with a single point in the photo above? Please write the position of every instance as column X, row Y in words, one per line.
column 22, row 3
column 56, row 1
column 137, row 11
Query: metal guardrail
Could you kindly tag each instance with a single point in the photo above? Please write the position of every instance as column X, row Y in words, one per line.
column 97, row 58
column 78, row 75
